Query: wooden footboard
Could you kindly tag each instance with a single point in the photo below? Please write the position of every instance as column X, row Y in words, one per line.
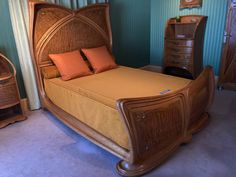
column 158, row 125
column 200, row 97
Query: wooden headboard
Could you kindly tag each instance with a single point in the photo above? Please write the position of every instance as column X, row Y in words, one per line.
column 56, row 29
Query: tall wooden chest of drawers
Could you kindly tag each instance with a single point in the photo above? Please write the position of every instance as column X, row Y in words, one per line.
column 184, row 41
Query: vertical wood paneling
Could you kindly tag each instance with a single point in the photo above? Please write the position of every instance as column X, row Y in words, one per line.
column 75, row 4
column 216, row 11
column 131, row 31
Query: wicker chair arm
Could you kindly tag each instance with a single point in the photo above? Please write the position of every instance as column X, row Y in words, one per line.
column 12, row 66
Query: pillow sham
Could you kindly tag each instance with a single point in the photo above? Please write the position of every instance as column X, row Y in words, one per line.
column 100, row 59
column 50, row 72
column 70, row 65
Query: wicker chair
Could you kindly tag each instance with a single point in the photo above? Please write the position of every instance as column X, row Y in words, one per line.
column 10, row 107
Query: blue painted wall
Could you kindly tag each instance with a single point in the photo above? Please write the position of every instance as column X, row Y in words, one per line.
column 7, row 43
column 216, row 11
column 138, row 31
column 131, row 31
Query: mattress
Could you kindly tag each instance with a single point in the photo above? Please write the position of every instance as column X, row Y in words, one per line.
column 92, row 99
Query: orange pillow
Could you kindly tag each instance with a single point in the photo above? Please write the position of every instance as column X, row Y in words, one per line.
column 70, row 65
column 100, row 59
column 50, row 72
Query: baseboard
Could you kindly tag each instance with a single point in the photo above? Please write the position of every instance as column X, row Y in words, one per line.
column 25, row 105
column 153, row 68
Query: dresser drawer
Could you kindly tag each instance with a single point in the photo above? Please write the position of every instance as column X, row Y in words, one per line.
column 8, row 94
column 178, row 62
column 179, row 50
column 182, row 43
column 173, row 56
column 185, row 64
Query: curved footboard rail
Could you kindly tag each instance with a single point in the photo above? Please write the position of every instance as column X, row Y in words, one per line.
column 158, row 125
column 200, row 97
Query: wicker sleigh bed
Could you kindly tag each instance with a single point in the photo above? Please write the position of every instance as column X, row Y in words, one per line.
column 55, row 29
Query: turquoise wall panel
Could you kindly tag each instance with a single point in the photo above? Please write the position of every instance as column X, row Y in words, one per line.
column 216, row 11
column 130, row 21
column 131, row 31
column 7, row 43
column 74, row 4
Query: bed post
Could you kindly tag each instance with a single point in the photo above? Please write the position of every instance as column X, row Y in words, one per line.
column 158, row 125
column 156, row 128
column 200, row 97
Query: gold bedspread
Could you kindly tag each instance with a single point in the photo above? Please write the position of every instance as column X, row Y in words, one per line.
column 92, row 99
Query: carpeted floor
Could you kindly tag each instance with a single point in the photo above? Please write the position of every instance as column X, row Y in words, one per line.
column 41, row 146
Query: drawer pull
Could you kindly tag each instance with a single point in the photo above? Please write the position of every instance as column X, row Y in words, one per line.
column 174, row 49
column 175, row 62
column 180, row 57
column 176, row 56
column 180, row 43
column 187, row 51
column 176, row 43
